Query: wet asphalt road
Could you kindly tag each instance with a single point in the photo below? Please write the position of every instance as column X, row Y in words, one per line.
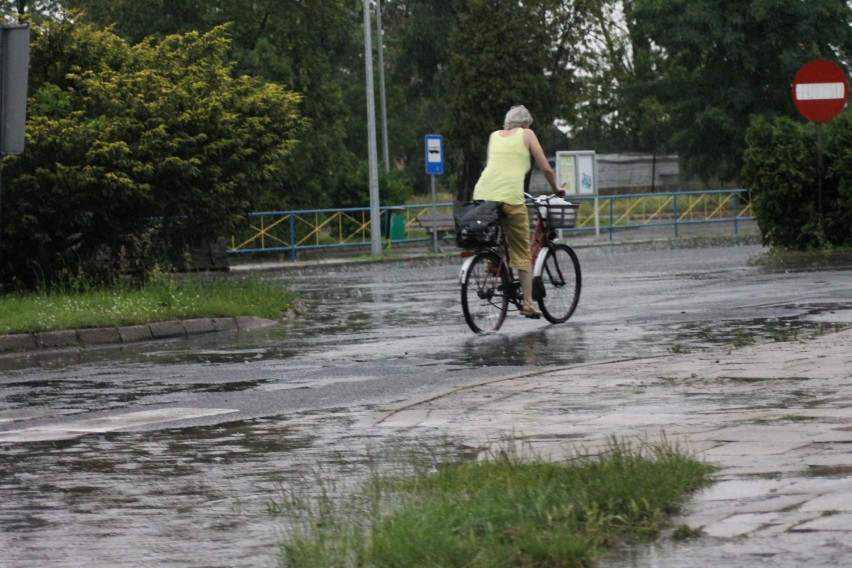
column 168, row 454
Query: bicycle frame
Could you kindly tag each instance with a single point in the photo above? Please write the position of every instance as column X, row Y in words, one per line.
column 538, row 242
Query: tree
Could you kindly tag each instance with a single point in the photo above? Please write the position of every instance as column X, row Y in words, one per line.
column 307, row 47
column 122, row 137
column 416, row 57
column 616, row 113
column 35, row 10
column 135, row 20
column 725, row 61
column 310, row 48
column 780, row 168
column 797, row 206
column 505, row 52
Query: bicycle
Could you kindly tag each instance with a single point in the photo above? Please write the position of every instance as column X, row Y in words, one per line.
column 489, row 284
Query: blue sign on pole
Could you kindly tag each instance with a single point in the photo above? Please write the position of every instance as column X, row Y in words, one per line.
column 434, row 154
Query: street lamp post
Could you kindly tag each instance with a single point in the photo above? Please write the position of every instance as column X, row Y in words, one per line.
column 375, row 215
column 382, row 98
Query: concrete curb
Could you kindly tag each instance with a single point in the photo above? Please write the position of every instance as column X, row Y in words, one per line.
column 95, row 337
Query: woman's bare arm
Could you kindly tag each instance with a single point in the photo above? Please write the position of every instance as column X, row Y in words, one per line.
column 531, row 141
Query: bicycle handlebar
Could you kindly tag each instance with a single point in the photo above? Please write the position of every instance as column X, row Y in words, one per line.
column 541, row 198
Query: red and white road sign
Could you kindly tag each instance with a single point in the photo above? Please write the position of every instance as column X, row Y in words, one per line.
column 820, row 90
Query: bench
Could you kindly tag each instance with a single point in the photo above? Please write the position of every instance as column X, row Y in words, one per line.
column 440, row 224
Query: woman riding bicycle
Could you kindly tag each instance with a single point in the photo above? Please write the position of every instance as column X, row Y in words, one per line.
column 509, row 152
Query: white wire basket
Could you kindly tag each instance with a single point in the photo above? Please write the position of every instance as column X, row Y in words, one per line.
column 556, row 216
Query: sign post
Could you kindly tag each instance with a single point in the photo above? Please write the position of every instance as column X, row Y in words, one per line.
column 434, row 166
column 820, row 92
column 14, row 66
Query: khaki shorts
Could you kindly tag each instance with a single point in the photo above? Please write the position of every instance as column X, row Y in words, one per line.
column 516, row 225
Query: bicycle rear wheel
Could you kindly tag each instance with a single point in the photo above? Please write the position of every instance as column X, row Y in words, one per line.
column 485, row 293
column 560, row 283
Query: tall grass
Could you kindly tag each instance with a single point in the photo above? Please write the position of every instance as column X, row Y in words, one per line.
column 160, row 300
column 502, row 512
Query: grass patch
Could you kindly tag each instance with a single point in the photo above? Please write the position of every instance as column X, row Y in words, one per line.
column 784, row 335
column 795, row 418
column 503, row 512
column 165, row 299
column 743, row 339
column 684, row 532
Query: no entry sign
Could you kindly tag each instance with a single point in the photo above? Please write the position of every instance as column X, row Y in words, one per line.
column 820, row 90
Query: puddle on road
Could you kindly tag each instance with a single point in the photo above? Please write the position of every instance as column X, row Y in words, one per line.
column 548, row 346
column 694, row 336
column 182, row 497
column 830, row 470
column 70, row 394
column 171, row 497
column 577, row 342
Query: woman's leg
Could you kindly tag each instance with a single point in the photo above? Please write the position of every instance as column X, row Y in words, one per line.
column 526, row 285
column 516, row 225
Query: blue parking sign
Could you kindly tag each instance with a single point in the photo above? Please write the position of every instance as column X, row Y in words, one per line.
column 434, row 154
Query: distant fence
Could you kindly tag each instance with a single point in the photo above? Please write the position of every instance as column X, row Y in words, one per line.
column 291, row 232
column 673, row 209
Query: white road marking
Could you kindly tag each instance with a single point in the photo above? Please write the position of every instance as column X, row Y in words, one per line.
column 104, row 424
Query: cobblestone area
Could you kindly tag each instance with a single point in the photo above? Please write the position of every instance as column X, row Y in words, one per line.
column 775, row 419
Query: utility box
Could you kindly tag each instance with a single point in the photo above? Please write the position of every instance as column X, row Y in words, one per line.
column 14, row 68
column 396, row 224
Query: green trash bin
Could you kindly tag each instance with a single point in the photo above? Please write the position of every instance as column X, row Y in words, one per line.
column 396, row 230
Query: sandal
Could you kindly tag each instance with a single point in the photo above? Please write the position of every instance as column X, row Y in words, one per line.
column 530, row 312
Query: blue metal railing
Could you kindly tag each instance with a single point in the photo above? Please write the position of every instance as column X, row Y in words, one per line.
column 311, row 229
column 303, row 230
column 678, row 210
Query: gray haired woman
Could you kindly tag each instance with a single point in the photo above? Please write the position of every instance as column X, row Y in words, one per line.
column 509, row 152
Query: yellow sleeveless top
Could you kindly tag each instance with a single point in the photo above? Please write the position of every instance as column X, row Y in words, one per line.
column 508, row 163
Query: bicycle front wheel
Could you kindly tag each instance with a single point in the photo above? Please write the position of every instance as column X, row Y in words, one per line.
column 485, row 293
column 560, row 283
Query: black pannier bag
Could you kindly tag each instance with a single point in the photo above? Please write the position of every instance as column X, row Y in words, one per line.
column 477, row 223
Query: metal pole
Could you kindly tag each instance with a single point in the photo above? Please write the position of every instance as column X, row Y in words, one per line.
column 382, row 99
column 819, row 173
column 596, row 204
column 674, row 208
column 1, row 191
column 435, row 225
column 736, row 212
column 375, row 226
column 611, row 214
column 2, row 123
